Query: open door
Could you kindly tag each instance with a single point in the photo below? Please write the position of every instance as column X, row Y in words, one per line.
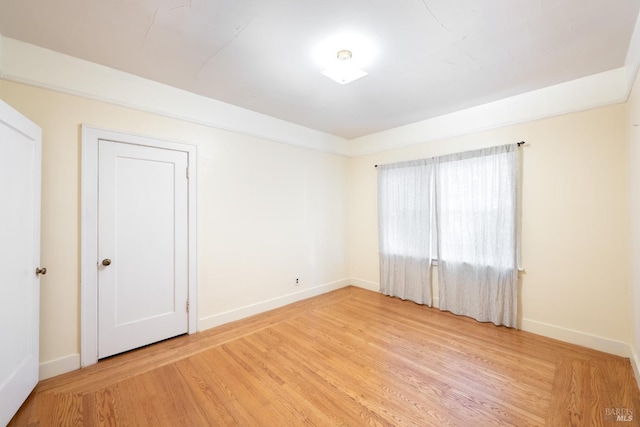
column 20, row 158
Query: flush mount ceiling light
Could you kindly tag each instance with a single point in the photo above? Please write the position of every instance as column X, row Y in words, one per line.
column 343, row 71
column 343, row 56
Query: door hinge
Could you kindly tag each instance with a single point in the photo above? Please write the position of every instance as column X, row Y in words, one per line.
column 187, row 306
column 187, row 172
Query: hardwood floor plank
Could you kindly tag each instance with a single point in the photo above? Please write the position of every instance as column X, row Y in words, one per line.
column 304, row 380
column 350, row 357
column 100, row 408
column 494, row 375
column 214, row 390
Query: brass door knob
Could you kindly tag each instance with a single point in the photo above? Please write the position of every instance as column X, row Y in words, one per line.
column 106, row 262
column 40, row 271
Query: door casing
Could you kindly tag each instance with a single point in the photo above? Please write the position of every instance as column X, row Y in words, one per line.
column 89, row 231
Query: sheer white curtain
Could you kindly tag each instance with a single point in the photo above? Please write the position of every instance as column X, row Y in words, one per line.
column 404, row 220
column 477, row 233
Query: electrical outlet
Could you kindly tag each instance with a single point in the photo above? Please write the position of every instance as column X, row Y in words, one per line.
column 297, row 282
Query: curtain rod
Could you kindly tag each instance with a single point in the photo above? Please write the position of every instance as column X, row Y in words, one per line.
column 519, row 144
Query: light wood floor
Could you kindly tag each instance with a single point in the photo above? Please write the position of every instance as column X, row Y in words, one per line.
column 350, row 357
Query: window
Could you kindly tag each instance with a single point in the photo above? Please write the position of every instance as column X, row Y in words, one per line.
column 476, row 209
column 405, row 209
column 464, row 208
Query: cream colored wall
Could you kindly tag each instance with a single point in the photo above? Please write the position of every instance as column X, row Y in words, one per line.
column 575, row 221
column 633, row 126
column 268, row 212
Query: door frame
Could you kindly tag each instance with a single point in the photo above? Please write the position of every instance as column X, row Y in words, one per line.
column 89, row 231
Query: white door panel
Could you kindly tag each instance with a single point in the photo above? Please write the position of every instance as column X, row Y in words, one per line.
column 19, row 257
column 143, row 231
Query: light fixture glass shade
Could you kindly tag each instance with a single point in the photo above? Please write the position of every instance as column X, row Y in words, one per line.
column 344, row 55
column 343, row 73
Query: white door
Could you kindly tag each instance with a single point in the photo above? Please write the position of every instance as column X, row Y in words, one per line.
column 142, row 245
column 20, row 145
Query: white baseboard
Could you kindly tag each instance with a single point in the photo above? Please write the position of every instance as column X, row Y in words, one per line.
column 59, row 366
column 571, row 336
column 635, row 364
column 577, row 337
column 71, row 362
column 365, row 284
column 261, row 307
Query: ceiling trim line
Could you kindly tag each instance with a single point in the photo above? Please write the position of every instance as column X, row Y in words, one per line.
column 36, row 66
column 599, row 90
column 32, row 65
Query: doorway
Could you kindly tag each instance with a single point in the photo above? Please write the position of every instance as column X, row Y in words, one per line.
column 138, row 242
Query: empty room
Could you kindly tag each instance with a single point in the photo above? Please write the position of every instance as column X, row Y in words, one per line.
column 269, row 213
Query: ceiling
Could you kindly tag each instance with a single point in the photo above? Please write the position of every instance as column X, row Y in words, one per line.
column 431, row 57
